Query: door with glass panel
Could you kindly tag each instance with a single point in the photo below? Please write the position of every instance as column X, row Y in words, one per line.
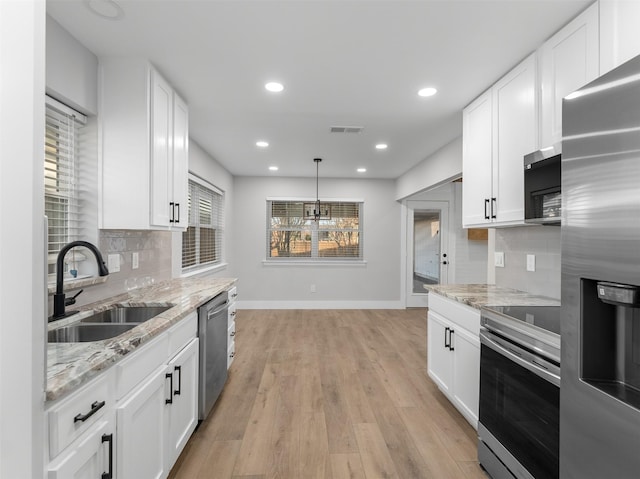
column 427, row 260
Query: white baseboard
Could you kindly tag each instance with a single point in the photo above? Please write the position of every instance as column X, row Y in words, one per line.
column 320, row 304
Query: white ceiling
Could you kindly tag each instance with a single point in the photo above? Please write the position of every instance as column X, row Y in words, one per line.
column 348, row 62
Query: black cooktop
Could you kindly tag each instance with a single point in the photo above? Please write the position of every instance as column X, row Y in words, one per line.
column 544, row 317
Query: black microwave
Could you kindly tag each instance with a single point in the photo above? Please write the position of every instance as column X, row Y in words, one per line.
column 542, row 193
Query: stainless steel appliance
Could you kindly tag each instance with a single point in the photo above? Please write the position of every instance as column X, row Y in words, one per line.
column 519, row 424
column 542, row 190
column 212, row 331
column 600, row 401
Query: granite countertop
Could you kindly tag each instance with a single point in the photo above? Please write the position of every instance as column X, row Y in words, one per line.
column 480, row 295
column 69, row 365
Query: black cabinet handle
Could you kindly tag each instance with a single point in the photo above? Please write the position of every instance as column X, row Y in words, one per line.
column 173, row 212
column 486, row 209
column 446, row 331
column 108, row 438
column 494, row 207
column 451, row 331
column 95, row 407
column 178, row 206
column 170, row 400
column 233, row 333
column 178, row 369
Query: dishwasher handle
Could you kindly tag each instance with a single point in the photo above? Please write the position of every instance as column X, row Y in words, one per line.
column 221, row 307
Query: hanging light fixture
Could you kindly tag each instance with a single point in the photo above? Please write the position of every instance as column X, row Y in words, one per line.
column 317, row 211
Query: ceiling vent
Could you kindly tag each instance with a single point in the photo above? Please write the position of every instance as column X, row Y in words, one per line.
column 346, row 129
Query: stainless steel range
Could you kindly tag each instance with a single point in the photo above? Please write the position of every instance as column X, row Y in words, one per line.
column 518, row 428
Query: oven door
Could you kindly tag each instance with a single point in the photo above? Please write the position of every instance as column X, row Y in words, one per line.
column 519, row 407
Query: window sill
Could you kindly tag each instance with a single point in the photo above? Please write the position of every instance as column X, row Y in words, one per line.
column 205, row 269
column 293, row 262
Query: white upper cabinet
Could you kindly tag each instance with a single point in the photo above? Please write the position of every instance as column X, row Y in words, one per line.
column 568, row 60
column 144, row 135
column 499, row 128
column 619, row 32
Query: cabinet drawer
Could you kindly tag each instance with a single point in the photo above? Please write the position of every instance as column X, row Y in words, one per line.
column 132, row 370
column 182, row 333
column 76, row 414
column 232, row 314
column 231, row 334
column 233, row 294
column 231, row 352
column 458, row 313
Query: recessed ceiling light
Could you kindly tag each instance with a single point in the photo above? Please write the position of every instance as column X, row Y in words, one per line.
column 381, row 146
column 274, row 87
column 429, row 91
column 107, row 9
column 362, row 170
column 262, row 144
column 273, row 168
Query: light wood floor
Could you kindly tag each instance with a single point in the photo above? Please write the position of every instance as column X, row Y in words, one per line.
column 331, row 394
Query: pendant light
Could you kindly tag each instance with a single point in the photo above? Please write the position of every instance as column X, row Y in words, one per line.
column 320, row 211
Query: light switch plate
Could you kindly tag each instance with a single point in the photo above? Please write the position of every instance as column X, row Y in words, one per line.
column 499, row 259
column 113, row 263
column 531, row 262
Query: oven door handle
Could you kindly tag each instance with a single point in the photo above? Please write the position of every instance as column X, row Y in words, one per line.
column 536, row 369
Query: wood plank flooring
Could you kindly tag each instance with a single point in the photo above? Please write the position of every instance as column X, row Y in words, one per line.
column 332, row 395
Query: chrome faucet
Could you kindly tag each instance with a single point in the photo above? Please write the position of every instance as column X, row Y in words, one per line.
column 59, row 301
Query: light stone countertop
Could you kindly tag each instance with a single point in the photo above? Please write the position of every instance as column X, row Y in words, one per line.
column 481, row 295
column 70, row 365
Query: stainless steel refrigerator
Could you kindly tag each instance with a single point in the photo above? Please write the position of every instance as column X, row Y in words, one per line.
column 600, row 387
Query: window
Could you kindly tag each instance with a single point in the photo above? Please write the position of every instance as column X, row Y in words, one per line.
column 290, row 235
column 202, row 241
column 62, row 128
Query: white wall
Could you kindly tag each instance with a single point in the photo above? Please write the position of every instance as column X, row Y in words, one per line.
column 373, row 285
column 22, row 294
column 207, row 168
column 72, row 70
column 438, row 169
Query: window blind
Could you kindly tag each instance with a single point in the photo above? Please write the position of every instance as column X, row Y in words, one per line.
column 62, row 127
column 202, row 241
column 290, row 235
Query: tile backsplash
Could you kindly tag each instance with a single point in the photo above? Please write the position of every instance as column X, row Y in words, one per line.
column 154, row 263
column 517, row 243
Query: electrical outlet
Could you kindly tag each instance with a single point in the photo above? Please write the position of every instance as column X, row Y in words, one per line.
column 134, row 260
column 312, row 288
column 113, row 261
column 498, row 259
column 531, row 262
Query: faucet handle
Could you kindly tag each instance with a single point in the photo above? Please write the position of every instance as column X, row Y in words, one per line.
column 72, row 299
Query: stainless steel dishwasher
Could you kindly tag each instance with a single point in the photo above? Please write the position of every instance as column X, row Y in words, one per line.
column 212, row 331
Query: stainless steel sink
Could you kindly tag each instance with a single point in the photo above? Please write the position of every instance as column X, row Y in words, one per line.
column 82, row 332
column 126, row 314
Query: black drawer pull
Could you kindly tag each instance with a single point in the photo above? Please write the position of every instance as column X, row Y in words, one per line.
column 173, row 212
column 170, row 400
column 95, row 407
column 179, row 371
column 108, row 438
column 486, row 209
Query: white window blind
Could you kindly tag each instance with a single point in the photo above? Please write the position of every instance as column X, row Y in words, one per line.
column 292, row 236
column 62, row 127
column 202, row 241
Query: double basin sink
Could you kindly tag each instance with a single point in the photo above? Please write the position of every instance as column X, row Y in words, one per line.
column 105, row 324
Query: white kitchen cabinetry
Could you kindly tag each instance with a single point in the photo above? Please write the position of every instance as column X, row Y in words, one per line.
column 453, row 359
column 568, row 60
column 144, row 133
column 231, row 326
column 619, row 33
column 499, row 128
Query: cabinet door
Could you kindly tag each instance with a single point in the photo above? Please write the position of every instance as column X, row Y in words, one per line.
column 183, row 410
column 569, row 60
column 141, row 436
column 476, row 160
column 466, row 374
column 161, row 150
column 439, row 357
column 515, row 134
column 89, row 459
column 619, row 36
column 180, row 171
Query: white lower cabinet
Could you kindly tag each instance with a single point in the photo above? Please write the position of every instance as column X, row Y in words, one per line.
column 453, row 353
column 93, row 456
column 140, row 438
